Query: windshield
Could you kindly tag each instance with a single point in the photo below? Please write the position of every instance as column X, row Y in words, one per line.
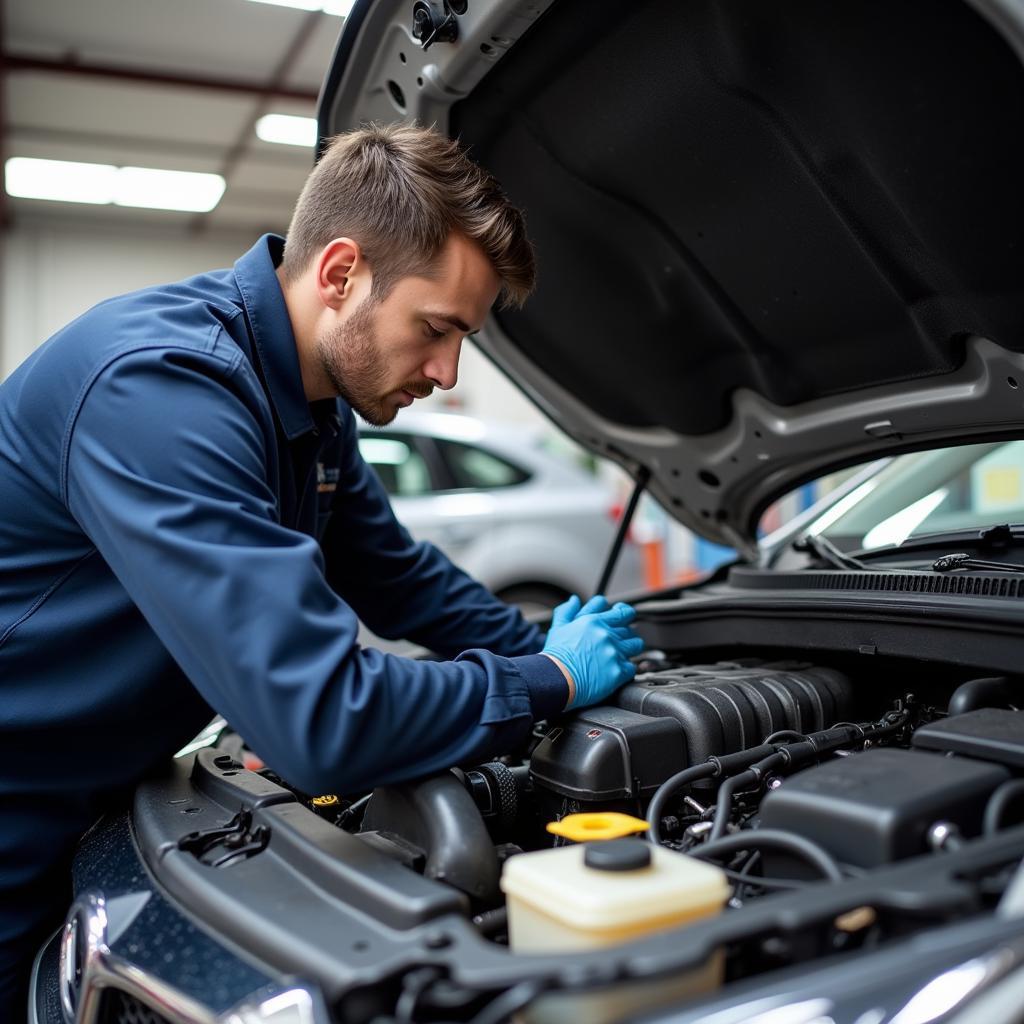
column 928, row 492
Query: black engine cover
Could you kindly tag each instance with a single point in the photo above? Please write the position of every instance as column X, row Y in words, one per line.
column 730, row 706
column 624, row 753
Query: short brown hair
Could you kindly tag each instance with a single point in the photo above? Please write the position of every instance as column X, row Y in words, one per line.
column 399, row 190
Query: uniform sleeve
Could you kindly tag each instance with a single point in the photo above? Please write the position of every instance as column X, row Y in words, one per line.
column 167, row 468
column 404, row 589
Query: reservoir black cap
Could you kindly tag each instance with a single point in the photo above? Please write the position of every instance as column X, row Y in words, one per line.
column 618, row 855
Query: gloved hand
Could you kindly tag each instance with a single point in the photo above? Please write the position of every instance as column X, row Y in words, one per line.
column 593, row 644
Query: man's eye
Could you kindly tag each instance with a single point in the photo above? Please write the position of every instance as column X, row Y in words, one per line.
column 432, row 331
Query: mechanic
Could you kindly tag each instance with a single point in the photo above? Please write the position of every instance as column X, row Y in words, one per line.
column 187, row 525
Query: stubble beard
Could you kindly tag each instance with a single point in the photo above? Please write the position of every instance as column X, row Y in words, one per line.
column 350, row 358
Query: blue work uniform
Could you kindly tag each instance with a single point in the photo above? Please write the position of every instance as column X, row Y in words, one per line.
column 181, row 532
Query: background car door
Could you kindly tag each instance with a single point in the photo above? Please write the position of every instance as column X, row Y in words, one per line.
column 421, row 489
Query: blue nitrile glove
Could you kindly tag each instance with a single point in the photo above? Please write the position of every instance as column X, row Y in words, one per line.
column 593, row 644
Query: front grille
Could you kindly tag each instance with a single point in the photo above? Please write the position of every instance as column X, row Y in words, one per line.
column 121, row 1008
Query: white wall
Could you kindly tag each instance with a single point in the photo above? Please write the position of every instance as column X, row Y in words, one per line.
column 53, row 271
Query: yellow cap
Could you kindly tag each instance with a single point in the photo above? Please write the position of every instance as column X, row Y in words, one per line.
column 581, row 828
column 325, row 801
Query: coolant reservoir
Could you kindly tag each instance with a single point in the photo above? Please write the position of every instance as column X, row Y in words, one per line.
column 587, row 896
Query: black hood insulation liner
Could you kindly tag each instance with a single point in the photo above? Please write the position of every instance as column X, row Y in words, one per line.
column 799, row 198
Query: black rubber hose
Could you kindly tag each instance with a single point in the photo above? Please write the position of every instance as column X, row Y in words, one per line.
column 757, row 839
column 810, row 745
column 998, row 802
column 729, row 788
column 994, row 692
column 756, row 881
column 490, row 922
column 723, row 806
column 353, row 814
column 684, row 778
column 729, row 764
column 437, row 814
column 511, row 1002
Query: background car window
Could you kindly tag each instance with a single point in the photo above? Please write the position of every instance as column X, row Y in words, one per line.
column 401, row 468
column 472, row 467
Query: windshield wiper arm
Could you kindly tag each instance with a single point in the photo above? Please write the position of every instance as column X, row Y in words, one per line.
column 824, row 549
column 962, row 560
column 832, row 555
column 829, row 553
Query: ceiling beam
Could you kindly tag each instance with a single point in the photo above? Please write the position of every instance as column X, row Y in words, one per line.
column 70, row 65
column 280, row 72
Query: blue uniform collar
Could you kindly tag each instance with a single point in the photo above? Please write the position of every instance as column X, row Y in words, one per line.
column 271, row 329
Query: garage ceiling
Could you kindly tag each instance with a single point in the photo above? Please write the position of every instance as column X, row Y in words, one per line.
column 176, row 85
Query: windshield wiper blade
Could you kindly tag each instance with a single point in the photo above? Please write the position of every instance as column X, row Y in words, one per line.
column 988, row 537
column 962, row 560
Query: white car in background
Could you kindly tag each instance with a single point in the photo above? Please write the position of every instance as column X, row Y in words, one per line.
column 531, row 524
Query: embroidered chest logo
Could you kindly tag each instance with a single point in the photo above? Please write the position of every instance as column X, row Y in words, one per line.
column 326, row 478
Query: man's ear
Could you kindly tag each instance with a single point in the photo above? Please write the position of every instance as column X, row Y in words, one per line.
column 339, row 270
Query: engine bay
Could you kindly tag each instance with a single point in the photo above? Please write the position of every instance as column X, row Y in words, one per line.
column 704, row 752
column 899, row 788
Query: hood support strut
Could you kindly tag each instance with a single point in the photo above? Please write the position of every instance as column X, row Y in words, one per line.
column 642, row 477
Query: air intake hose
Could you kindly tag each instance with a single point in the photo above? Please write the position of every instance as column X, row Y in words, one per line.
column 439, row 816
column 994, row 692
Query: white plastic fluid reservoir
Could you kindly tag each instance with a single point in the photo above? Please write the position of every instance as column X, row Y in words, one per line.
column 591, row 895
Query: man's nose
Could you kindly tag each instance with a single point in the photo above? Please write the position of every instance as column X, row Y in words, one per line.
column 443, row 366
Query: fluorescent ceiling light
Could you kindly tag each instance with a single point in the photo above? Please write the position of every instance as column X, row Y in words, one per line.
column 60, row 180
column 338, row 7
column 287, row 129
column 102, row 184
column 155, row 189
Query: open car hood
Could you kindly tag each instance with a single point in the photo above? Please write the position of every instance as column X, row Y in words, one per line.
column 773, row 238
